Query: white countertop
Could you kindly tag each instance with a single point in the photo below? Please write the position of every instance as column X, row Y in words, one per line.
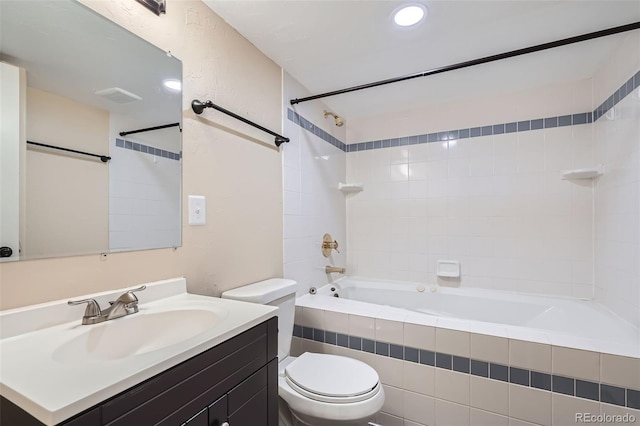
column 52, row 388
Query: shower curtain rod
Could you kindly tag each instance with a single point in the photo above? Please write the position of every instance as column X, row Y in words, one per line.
column 198, row 107
column 103, row 158
column 148, row 129
column 484, row 60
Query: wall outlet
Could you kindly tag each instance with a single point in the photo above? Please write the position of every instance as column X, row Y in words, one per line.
column 197, row 210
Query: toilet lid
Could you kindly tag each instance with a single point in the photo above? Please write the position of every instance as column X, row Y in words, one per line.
column 332, row 378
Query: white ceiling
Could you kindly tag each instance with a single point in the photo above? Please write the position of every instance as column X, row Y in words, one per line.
column 330, row 45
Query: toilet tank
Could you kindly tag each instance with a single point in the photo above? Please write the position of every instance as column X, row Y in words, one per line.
column 278, row 292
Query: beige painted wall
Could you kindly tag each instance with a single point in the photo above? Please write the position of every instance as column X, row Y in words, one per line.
column 67, row 196
column 236, row 167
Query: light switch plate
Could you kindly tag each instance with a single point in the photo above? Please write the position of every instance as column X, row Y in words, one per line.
column 197, row 210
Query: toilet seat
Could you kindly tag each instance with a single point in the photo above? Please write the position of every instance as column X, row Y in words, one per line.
column 332, row 378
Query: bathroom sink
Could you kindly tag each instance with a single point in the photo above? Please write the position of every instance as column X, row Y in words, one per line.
column 136, row 334
column 42, row 346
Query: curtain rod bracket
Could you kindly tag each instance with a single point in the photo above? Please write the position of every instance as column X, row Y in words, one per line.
column 280, row 140
column 198, row 106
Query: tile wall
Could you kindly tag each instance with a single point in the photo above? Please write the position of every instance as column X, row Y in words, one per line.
column 144, row 186
column 313, row 165
column 436, row 376
column 617, row 224
column 490, row 197
column 617, row 193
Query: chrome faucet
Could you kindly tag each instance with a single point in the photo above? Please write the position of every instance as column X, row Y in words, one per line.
column 125, row 304
column 330, row 269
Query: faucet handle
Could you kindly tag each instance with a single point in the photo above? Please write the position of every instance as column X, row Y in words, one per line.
column 93, row 309
column 128, row 296
column 133, row 290
column 328, row 245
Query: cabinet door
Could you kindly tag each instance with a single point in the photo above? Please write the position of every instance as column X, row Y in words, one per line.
column 248, row 402
column 199, row 419
column 254, row 412
column 218, row 412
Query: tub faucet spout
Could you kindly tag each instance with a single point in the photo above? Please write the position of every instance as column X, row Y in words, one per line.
column 331, row 269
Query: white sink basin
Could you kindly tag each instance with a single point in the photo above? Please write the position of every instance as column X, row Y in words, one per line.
column 44, row 348
column 136, row 334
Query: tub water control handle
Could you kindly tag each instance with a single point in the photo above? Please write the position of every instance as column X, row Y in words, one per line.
column 328, row 244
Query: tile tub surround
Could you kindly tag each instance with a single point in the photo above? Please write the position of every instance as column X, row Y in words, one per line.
column 475, row 132
column 554, row 254
column 496, row 202
column 313, row 164
column 501, row 128
column 617, row 210
column 298, row 119
column 435, row 375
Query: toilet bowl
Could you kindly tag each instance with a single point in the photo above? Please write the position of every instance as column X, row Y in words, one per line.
column 324, row 390
column 314, row 389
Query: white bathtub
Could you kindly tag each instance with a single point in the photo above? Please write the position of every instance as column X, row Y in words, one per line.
column 575, row 323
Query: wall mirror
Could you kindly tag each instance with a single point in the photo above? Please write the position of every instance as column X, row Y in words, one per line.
column 72, row 79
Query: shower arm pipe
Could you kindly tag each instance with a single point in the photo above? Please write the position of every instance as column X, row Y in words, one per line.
column 198, row 107
column 148, row 129
column 479, row 61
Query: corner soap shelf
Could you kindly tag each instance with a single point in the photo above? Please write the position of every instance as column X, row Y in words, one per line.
column 349, row 188
column 588, row 173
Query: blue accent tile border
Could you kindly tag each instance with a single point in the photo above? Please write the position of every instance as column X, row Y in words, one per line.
column 496, row 129
column 146, row 149
column 493, row 129
column 474, row 132
column 498, row 372
column 316, row 130
column 571, row 386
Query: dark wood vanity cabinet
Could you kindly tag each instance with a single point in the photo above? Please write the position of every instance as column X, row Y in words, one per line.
column 235, row 382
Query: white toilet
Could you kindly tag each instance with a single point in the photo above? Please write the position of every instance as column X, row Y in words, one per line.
column 314, row 389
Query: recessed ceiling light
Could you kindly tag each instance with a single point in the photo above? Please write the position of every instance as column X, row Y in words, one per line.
column 409, row 14
column 173, row 84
